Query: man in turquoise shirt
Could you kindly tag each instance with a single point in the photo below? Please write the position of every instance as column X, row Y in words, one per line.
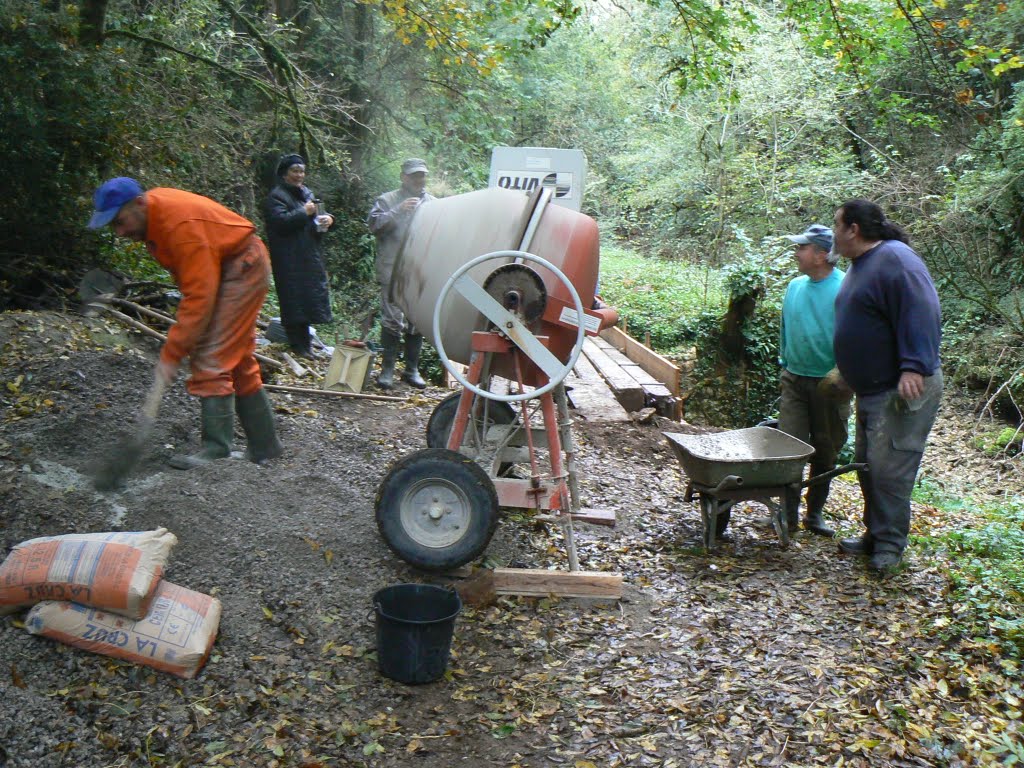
column 805, row 352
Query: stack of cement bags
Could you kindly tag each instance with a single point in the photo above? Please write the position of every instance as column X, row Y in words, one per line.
column 104, row 592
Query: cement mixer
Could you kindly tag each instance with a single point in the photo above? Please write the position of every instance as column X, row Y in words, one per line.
column 502, row 282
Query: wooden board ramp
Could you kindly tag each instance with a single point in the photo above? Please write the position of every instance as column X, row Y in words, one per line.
column 590, row 395
column 660, row 368
column 626, row 389
column 659, row 379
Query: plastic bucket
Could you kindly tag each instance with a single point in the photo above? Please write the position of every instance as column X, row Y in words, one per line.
column 415, row 624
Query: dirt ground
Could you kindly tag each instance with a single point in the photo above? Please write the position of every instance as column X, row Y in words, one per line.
column 752, row 656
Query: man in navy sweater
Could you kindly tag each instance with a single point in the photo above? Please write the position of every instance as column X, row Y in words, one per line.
column 887, row 333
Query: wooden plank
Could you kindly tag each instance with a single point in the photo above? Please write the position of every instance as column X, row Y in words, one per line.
column 590, row 396
column 595, row 517
column 659, row 367
column 655, row 392
column 540, row 583
column 640, row 376
column 627, row 391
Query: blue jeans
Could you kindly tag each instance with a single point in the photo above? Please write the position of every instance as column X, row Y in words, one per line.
column 891, row 437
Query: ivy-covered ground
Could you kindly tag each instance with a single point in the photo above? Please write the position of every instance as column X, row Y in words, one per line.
column 753, row 656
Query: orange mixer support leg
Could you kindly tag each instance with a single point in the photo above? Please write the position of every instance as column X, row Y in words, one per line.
column 547, row 403
column 458, row 433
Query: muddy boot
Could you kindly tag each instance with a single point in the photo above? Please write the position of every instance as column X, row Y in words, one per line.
column 413, row 345
column 389, row 341
column 816, row 497
column 218, row 427
column 815, row 523
column 791, row 508
column 257, row 418
column 299, row 340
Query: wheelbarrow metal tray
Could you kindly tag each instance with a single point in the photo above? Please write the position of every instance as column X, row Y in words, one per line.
column 761, row 456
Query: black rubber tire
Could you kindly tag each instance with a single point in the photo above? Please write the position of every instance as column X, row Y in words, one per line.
column 415, row 487
column 440, row 424
column 441, row 420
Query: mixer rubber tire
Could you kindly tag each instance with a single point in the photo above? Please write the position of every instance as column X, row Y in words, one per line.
column 437, row 509
column 440, row 424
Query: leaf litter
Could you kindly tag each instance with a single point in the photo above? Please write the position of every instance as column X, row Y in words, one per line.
column 750, row 656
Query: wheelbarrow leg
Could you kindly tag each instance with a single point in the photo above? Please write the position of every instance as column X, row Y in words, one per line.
column 708, row 510
column 786, row 513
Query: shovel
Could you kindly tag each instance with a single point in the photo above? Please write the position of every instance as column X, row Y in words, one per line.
column 125, row 455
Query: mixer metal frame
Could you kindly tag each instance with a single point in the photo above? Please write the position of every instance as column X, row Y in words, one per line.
column 434, row 512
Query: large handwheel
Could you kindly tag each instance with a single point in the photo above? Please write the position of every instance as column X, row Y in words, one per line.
column 509, row 324
column 494, row 412
column 437, row 509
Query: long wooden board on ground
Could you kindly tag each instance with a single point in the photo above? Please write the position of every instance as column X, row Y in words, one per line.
column 627, row 390
column 591, row 397
column 662, row 369
column 651, row 385
column 540, row 583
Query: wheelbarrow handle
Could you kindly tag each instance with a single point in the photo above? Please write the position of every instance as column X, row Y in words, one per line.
column 727, row 483
column 861, row 467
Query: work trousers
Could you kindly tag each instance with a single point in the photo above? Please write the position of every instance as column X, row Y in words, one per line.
column 223, row 361
column 891, row 436
column 392, row 317
column 806, row 414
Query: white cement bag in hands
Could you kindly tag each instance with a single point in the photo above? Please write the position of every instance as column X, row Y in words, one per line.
column 117, row 572
column 175, row 636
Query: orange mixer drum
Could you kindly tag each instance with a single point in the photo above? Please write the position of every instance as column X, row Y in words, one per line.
column 446, row 234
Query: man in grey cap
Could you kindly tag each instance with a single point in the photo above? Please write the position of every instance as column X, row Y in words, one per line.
column 388, row 220
column 810, row 410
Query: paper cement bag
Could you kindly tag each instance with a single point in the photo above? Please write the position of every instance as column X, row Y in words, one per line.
column 175, row 636
column 117, row 572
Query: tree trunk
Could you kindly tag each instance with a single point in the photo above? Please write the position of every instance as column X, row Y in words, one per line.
column 94, row 16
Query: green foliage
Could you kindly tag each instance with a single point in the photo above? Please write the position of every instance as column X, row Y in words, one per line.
column 987, row 582
column 723, row 325
column 734, row 380
column 53, row 138
column 658, row 296
column 1006, row 441
column 732, row 390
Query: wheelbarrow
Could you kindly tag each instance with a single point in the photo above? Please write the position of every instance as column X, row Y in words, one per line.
column 759, row 464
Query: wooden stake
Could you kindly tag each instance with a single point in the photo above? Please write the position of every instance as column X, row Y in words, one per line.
column 143, row 328
column 331, row 393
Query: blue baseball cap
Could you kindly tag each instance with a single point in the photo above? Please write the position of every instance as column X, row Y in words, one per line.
column 816, row 234
column 109, row 198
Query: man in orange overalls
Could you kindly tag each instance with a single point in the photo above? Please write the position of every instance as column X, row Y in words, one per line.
column 223, row 271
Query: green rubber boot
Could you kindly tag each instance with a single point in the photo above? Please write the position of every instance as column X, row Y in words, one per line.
column 413, row 346
column 257, row 417
column 389, row 341
column 218, row 428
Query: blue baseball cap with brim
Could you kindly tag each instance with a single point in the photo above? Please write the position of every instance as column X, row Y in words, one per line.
column 816, row 234
column 109, row 198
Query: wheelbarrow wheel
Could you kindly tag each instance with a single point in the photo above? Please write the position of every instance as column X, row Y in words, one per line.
column 441, row 420
column 436, row 509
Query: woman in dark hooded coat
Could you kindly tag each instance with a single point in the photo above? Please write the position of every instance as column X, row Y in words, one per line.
column 294, row 234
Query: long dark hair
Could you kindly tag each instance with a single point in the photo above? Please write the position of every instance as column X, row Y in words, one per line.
column 871, row 220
